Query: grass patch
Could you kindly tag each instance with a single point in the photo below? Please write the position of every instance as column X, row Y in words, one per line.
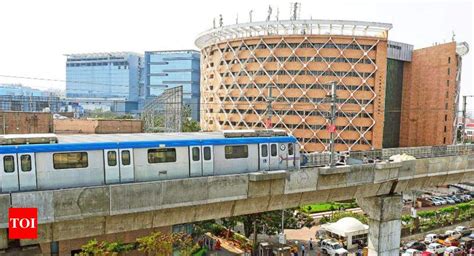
column 325, row 207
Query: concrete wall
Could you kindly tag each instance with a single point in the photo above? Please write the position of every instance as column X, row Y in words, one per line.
column 92, row 126
column 92, row 211
column 25, row 122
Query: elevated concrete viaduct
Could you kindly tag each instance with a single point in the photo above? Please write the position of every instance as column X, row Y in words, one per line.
column 93, row 211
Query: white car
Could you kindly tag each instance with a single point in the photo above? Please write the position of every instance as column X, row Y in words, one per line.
column 435, row 201
column 453, row 250
column 411, row 252
column 449, row 200
column 332, row 247
column 436, row 248
column 431, row 238
column 463, row 230
column 453, row 233
column 441, row 200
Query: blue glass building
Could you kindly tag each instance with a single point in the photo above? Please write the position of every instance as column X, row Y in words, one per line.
column 113, row 76
column 20, row 90
column 168, row 69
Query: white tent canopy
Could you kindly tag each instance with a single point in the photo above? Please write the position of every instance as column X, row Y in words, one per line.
column 345, row 227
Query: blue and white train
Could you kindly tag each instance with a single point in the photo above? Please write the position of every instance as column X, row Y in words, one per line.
column 66, row 161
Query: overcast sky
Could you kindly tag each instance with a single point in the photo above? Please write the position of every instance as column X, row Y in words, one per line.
column 35, row 35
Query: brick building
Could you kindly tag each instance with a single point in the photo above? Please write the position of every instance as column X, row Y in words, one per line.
column 241, row 64
column 430, row 96
column 279, row 73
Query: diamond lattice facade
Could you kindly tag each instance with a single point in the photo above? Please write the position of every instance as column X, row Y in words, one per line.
column 296, row 61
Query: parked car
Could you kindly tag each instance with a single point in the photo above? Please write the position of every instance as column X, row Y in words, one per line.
column 449, row 241
column 456, row 199
column 440, row 199
column 449, row 200
column 332, row 247
column 431, row 238
column 453, row 234
column 415, row 245
column 434, row 201
column 436, row 248
column 411, row 252
column 463, row 230
column 453, row 251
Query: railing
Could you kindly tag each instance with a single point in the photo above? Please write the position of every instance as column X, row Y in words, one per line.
column 321, row 159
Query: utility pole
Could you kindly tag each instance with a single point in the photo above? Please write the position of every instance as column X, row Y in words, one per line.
column 464, row 116
column 268, row 123
column 332, row 126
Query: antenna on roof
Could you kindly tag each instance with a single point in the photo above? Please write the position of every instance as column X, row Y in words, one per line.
column 295, row 11
column 453, row 37
column 237, row 19
column 269, row 12
column 221, row 20
column 250, row 15
column 214, row 23
column 278, row 14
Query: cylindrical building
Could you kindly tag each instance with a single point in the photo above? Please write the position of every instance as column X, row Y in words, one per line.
column 283, row 70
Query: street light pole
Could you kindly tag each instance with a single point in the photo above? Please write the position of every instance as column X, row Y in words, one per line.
column 332, row 120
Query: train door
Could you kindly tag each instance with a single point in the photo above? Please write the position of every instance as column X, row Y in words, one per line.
column 264, row 157
column 9, row 173
column 274, row 158
column 207, row 160
column 291, row 156
column 127, row 173
column 195, row 164
column 283, row 156
column 112, row 169
column 27, row 171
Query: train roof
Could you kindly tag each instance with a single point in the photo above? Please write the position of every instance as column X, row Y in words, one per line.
column 122, row 137
column 147, row 140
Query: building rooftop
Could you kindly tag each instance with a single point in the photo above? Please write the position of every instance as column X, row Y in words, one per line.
column 100, row 55
column 293, row 27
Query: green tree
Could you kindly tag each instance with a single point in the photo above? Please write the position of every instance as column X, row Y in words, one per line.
column 163, row 244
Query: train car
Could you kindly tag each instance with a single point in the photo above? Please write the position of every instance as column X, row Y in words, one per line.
column 66, row 161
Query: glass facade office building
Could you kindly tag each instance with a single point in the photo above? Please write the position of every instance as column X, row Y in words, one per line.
column 168, row 69
column 103, row 75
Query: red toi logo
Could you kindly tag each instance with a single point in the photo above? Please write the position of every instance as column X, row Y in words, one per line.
column 23, row 223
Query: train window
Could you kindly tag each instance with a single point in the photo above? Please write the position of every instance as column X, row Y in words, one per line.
column 161, row 155
column 207, row 153
column 70, row 160
column 264, row 150
column 126, row 157
column 25, row 161
column 232, row 152
column 290, row 149
column 196, row 156
column 9, row 164
column 112, row 158
column 273, row 149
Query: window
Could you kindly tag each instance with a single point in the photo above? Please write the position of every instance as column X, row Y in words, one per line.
column 449, row 59
column 207, row 153
column 445, row 117
column 290, row 149
column 196, row 156
column 232, row 152
column 9, row 164
column 126, row 157
column 70, row 160
column 449, row 71
column 112, row 158
column 161, row 155
column 273, row 149
column 445, row 129
column 447, row 82
column 444, row 140
column 25, row 161
column 264, row 150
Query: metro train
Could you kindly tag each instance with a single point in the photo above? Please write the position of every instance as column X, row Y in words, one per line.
column 48, row 161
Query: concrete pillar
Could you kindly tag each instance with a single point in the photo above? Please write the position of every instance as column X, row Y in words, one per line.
column 384, row 223
column 3, row 239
